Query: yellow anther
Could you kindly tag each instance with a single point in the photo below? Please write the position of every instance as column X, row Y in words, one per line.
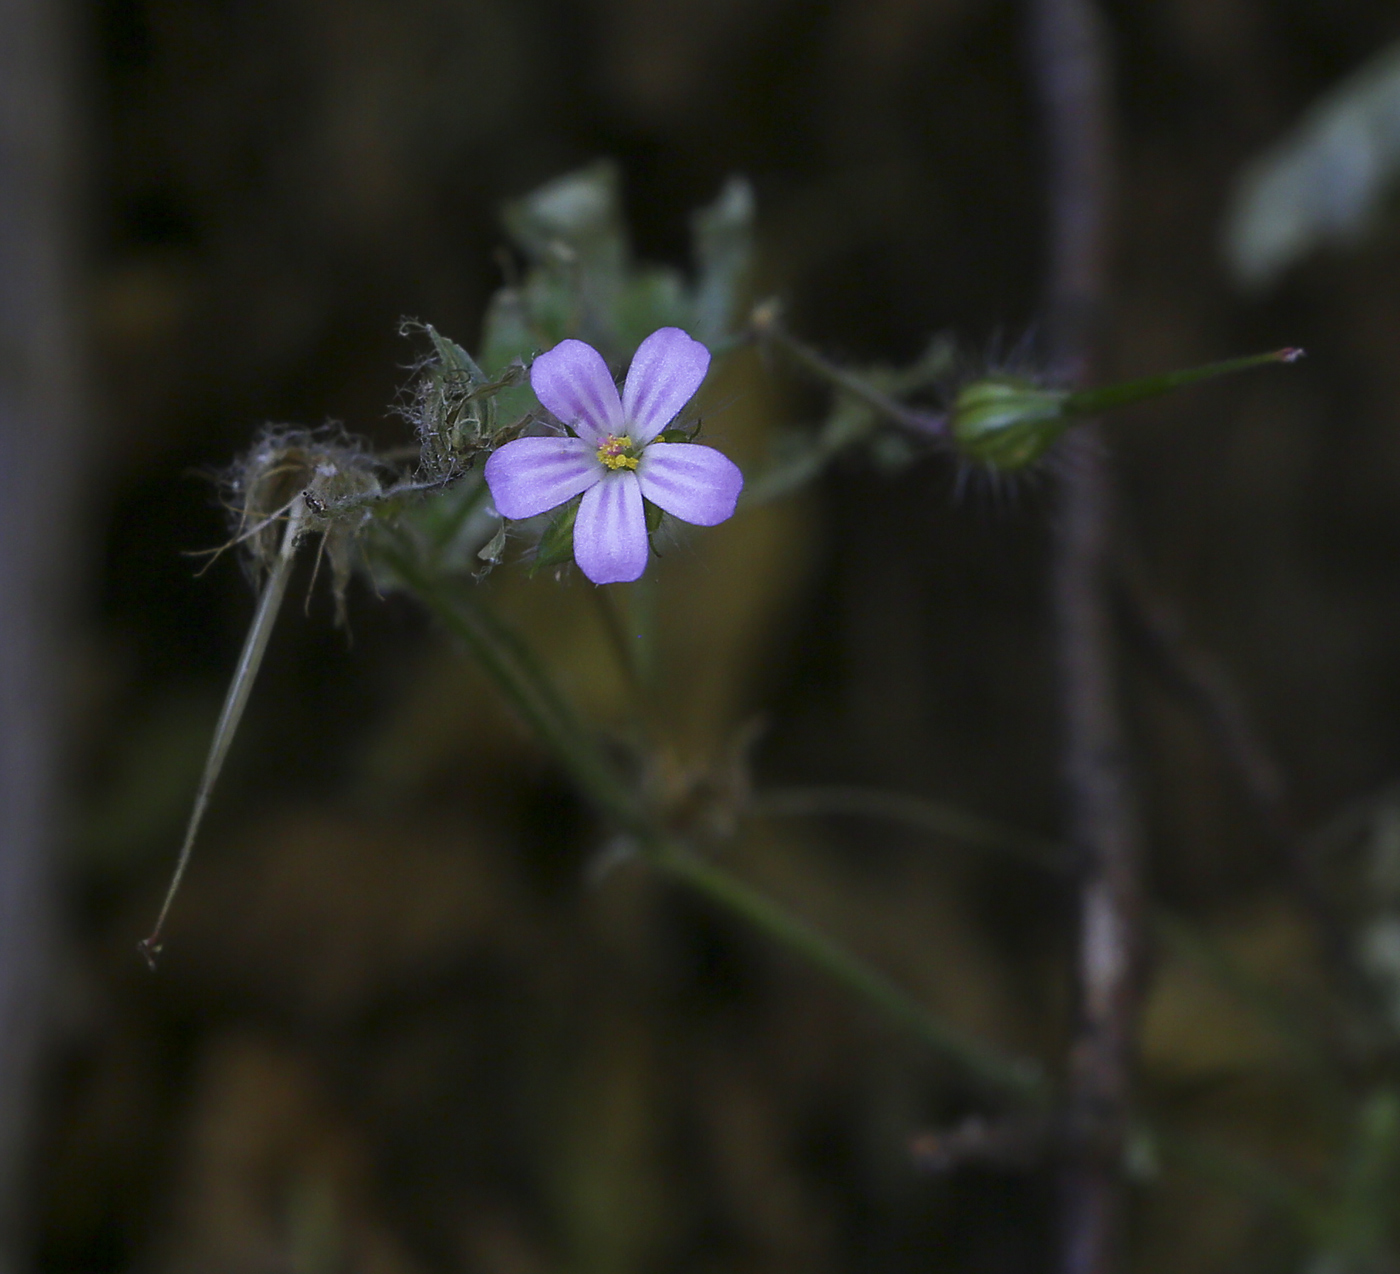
column 613, row 452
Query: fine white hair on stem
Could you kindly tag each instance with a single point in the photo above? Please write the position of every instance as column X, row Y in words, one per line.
column 249, row 661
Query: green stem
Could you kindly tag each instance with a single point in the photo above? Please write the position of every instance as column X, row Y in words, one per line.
column 768, row 327
column 513, row 667
column 1015, row 1077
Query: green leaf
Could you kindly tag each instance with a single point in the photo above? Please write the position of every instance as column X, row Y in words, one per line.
column 506, row 333
column 494, row 548
column 557, row 543
column 651, row 298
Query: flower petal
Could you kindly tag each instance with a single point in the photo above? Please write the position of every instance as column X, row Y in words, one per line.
column 666, row 371
column 610, row 535
column 694, row 483
column 530, row 475
column 574, row 383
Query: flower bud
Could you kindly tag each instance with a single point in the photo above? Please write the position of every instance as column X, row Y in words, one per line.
column 1007, row 422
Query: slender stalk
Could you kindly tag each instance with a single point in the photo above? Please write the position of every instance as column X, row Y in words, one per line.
column 1070, row 63
column 768, row 327
column 640, row 612
column 510, row 664
column 244, row 675
column 1012, row 1077
column 519, row 676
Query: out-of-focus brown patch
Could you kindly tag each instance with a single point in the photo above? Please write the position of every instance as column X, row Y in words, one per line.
column 322, row 914
column 273, row 1177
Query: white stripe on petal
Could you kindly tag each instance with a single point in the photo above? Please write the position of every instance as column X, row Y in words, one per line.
column 694, row 483
column 530, row 475
column 573, row 382
column 666, row 371
column 610, row 535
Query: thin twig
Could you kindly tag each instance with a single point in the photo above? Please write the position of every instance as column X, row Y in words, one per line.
column 1070, row 63
column 1014, row 1077
column 767, row 326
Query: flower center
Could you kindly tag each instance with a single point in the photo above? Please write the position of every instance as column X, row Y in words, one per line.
column 615, row 451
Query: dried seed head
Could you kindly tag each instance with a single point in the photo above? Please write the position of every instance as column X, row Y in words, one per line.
column 335, row 473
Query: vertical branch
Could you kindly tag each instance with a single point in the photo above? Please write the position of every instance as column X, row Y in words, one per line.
column 1070, row 61
column 39, row 463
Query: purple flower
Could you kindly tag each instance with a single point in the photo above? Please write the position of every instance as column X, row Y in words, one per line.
column 616, row 460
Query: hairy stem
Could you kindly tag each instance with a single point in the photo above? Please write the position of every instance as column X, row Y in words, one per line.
column 767, row 326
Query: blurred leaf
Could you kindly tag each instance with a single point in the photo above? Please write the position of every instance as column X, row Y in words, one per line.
column 723, row 234
column 574, row 218
column 506, row 331
column 800, row 457
column 1324, row 182
column 1356, row 1232
column 651, row 298
column 581, row 280
column 452, row 526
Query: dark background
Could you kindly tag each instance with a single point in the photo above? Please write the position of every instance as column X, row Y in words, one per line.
column 398, row 1029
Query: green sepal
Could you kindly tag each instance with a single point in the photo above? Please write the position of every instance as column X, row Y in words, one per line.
column 674, row 435
column 557, row 543
column 1006, row 422
column 653, row 515
column 453, row 357
column 494, row 548
column 1009, row 422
